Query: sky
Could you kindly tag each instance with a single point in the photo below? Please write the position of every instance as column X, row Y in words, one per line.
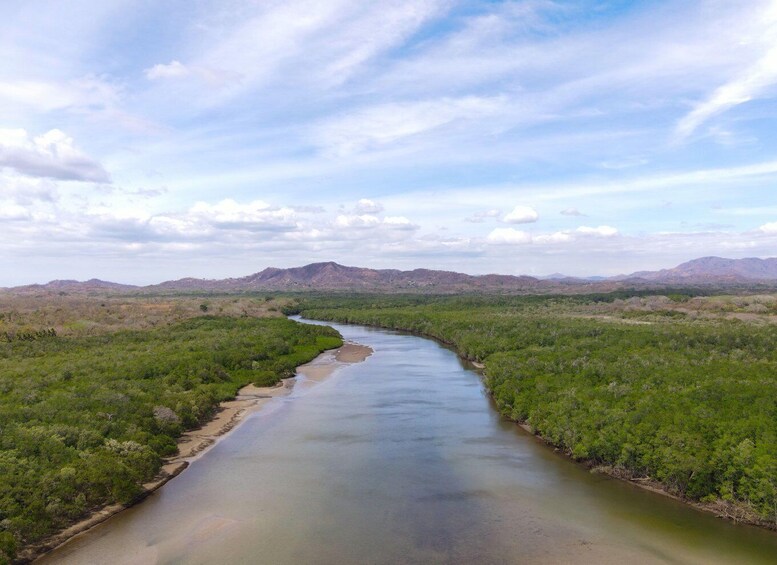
column 143, row 141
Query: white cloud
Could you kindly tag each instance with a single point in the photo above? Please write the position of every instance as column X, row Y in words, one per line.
column 600, row 231
column 83, row 94
column 320, row 45
column 770, row 228
column 50, row 155
column 217, row 222
column 362, row 222
column 348, row 221
column 527, row 97
column 174, row 69
column 385, row 124
column 751, row 83
column 14, row 212
column 399, row 223
column 26, row 191
column 480, row 217
column 510, row 236
column 371, row 32
column 366, row 206
column 550, row 238
column 254, row 216
column 571, row 212
column 520, row 237
column 521, row 215
column 177, row 70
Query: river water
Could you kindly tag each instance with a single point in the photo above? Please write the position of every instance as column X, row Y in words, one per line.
column 403, row 459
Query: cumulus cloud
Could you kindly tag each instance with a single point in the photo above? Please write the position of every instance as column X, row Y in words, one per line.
column 508, row 236
column 202, row 221
column 256, row 216
column 600, row 231
column 521, row 215
column 520, row 237
column 550, row 238
column 370, row 221
column 770, row 228
column 366, row 206
column 571, row 212
column 26, row 191
column 50, row 155
column 356, row 221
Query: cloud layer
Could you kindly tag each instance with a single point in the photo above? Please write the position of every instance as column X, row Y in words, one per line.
column 511, row 136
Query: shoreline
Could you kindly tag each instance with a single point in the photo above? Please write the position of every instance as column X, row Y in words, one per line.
column 193, row 444
column 719, row 508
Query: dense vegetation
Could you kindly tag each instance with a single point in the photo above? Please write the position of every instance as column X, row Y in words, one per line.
column 645, row 387
column 86, row 420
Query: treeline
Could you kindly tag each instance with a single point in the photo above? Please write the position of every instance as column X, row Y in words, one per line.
column 85, row 421
column 31, row 335
column 690, row 404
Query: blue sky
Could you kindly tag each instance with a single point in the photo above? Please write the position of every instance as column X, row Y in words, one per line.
column 142, row 141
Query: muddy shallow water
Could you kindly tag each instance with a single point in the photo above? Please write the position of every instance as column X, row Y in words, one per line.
column 403, row 459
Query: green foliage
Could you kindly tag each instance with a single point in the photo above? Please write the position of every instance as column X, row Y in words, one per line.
column 85, row 421
column 7, row 547
column 690, row 403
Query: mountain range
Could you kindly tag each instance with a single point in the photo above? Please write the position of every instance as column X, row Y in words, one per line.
column 712, row 269
column 330, row 276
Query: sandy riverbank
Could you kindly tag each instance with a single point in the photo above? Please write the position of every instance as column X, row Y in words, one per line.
column 195, row 443
column 251, row 398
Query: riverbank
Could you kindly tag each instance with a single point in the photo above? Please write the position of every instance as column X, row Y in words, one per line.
column 719, row 508
column 195, row 443
column 727, row 510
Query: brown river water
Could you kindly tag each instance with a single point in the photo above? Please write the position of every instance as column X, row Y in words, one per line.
column 403, row 459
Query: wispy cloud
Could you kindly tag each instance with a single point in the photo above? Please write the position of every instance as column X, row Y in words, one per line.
column 382, row 125
column 748, row 84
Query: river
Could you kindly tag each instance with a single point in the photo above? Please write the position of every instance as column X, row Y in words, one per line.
column 403, row 459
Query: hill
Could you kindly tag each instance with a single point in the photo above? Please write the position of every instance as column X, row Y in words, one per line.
column 331, row 276
column 718, row 270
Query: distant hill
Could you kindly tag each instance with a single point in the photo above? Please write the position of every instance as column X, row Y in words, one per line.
column 332, row 276
column 92, row 285
column 712, row 270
